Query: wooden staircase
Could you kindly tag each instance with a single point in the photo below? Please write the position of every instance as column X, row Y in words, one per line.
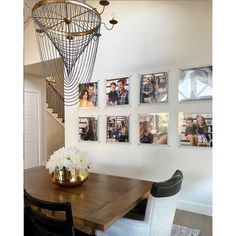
column 55, row 102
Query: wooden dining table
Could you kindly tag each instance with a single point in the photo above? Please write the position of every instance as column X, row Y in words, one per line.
column 96, row 204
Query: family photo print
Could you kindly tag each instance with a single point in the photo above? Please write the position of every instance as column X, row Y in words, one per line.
column 154, row 88
column 195, row 129
column 117, row 91
column 88, row 127
column 88, row 95
column 118, row 129
column 153, row 128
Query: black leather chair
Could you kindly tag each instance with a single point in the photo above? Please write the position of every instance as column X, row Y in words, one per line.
column 160, row 189
column 37, row 223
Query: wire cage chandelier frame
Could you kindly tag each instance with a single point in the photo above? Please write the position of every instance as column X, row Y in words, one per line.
column 68, row 33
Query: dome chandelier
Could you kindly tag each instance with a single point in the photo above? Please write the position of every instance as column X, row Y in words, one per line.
column 68, row 33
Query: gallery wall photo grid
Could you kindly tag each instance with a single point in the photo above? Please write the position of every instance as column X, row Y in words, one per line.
column 88, row 128
column 117, row 91
column 154, row 88
column 117, row 129
column 195, row 84
column 195, row 129
column 88, row 95
column 153, row 128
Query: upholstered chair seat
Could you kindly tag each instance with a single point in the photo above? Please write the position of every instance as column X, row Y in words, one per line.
column 159, row 211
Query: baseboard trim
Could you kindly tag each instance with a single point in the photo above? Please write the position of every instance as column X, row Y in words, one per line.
column 43, row 162
column 194, row 207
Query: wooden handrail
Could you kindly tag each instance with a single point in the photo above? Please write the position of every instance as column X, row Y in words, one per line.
column 55, row 100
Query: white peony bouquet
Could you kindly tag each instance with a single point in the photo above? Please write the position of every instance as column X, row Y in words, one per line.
column 70, row 158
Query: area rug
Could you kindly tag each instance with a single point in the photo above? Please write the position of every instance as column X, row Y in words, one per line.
column 178, row 230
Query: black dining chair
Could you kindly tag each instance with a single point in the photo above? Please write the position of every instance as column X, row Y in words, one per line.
column 161, row 189
column 37, row 223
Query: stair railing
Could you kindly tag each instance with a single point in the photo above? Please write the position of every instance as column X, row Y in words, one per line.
column 55, row 100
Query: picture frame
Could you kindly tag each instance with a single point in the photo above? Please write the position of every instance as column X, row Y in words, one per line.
column 88, row 128
column 154, row 88
column 117, row 129
column 195, row 129
column 117, row 91
column 88, row 95
column 195, row 84
column 154, row 128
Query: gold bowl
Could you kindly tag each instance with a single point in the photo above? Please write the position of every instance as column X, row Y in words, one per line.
column 65, row 177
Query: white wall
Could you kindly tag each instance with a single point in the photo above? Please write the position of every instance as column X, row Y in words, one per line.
column 55, row 135
column 31, row 53
column 37, row 84
column 152, row 36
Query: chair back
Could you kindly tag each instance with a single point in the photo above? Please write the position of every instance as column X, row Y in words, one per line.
column 43, row 224
column 161, row 205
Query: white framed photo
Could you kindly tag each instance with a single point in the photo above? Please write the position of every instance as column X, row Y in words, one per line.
column 88, row 95
column 195, row 84
column 117, row 91
column 196, row 129
column 117, row 129
column 88, row 128
column 153, row 128
column 154, row 88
